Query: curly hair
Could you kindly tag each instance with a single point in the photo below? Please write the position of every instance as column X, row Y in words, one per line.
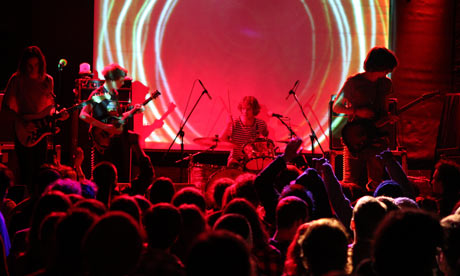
column 250, row 101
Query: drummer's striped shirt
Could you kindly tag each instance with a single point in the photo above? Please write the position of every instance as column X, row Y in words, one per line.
column 241, row 135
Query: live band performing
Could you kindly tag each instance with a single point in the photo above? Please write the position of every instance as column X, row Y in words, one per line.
column 303, row 138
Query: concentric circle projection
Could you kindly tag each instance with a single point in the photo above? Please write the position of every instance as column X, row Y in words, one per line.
column 237, row 48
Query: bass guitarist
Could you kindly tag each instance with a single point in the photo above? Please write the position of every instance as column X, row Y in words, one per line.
column 29, row 94
column 364, row 98
column 102, row 114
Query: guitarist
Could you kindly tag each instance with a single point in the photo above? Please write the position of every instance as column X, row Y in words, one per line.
column 28, row 94
column 364, row 98
column 103, row 107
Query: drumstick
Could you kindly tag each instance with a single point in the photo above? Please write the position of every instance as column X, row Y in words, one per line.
column 226, row 108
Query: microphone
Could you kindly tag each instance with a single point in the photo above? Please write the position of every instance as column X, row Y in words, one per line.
column 62, row 63
column 292, row 90
column 271, row 114
column 204, row 90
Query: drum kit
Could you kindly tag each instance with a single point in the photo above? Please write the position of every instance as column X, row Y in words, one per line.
column 258, row 154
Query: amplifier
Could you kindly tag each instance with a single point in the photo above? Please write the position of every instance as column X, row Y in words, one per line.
column 85, row 86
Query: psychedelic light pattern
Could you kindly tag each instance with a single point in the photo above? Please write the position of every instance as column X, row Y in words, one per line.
column 237, row 48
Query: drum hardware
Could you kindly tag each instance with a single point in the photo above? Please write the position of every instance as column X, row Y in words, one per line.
column 214, row 142
column 258, row 154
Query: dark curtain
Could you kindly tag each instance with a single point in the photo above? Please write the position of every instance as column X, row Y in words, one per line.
column 422, row 37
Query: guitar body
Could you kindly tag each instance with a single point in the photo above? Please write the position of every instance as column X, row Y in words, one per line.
column 101, row 138
column 33, row 128
column 362, row 133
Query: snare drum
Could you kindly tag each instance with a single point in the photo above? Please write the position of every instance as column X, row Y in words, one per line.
column 259, row 154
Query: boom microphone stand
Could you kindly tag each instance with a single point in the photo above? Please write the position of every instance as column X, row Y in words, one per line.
column 313, row 136
column 182, row 134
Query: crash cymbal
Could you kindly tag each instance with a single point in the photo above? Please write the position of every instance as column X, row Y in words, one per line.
column 213, row 141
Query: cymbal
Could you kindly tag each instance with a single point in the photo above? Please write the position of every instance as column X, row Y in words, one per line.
column 213, row 141
column 285, row 141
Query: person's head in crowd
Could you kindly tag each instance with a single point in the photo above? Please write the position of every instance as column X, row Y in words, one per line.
column 69, row 237
column 244, row 188
column 112, row 245
column 162, row 223
column 389, row 203
column 193, row 224
column 299, row 191
column 245, row 208
column 449, row 257
column 293, row 264
column 46, row 176
column 88, row 188
column 405, row 202
column 189, row 195
column 144, row 179
column 446, row 185
column 219, row 253
column 427, row 203
column 291, row 212
column 389, row 188
column 143, row 203
column 106, row 177
column 236, row 224
column 406, row 243
column 218, row 191
column 47, row 238
column 66, row 185
column 367, row 214
column 161, row 190
column 93, row 205
column 286, row 176
column 127, row 204
column 54, row 201
column 229, row 195
column 6, row 181
column 324, row 247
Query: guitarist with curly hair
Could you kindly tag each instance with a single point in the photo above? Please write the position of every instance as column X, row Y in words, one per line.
column 364, row 98
column 111, row 142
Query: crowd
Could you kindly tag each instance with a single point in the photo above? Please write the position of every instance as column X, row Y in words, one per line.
column 272, row 223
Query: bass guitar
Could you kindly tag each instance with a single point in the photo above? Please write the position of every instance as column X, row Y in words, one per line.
column 101, row 138
column 31, row 129
column 362, row 133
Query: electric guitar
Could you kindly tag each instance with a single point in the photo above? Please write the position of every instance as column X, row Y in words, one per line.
column 362, row 133
column 101, row 138
column 31, row 129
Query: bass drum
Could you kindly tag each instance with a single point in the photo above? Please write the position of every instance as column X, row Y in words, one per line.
column 199, row 174
column 222, row 173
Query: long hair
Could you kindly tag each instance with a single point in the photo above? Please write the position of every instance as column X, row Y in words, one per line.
column 31, row 52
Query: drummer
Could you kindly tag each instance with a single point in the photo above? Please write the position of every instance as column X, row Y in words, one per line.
column 243, row 130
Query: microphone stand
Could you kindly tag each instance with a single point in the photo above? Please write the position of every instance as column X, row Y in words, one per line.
column 291, row 132
column 313, row 136
column 182, row 134
column 55, row 159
